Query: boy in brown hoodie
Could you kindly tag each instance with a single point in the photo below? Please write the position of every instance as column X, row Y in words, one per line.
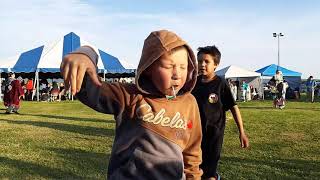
column 158, row 128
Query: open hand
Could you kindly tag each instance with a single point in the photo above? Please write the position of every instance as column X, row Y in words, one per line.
column 73, row 69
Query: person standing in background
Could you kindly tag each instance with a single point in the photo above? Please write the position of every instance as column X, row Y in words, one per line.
column 233, row 88
column 245, row 88
column 29, row 88
column 311, row 85
column 7, row 88
column 13, row 94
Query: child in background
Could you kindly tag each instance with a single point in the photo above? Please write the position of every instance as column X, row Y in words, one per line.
column 214, row 99
column 158, row 129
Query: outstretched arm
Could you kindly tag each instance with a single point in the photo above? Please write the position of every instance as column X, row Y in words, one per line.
column 79, row 71
column 238, row 119
column 73, row 69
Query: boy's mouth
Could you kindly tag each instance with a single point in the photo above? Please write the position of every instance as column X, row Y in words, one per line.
column 173, row 93
column 175, row 86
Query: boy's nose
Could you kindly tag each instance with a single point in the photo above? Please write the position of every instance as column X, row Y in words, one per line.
column 176, row 73
column 201, row 64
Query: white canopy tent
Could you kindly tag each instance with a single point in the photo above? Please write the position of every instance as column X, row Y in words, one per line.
column 239, row 74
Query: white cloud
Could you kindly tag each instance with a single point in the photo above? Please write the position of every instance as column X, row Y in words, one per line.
column 244, row 37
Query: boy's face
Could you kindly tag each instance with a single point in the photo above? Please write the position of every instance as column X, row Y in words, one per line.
column 206, row 64
column 170, row 70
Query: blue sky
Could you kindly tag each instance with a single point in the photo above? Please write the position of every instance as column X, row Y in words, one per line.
column 241, row 29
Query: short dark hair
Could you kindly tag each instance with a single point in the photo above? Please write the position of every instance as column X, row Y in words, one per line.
column 212, row 50
column 10, row 74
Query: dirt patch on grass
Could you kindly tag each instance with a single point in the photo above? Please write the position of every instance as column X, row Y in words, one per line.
column 292, row 136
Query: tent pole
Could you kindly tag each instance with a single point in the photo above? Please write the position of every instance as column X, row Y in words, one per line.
column 34, row 85
column 0, row 88
column 104, row 75
column 38, row 86
column 261, row 88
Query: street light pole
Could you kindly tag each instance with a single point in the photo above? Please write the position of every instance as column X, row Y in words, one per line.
column 278, row 35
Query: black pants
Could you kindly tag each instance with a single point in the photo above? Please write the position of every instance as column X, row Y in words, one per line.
column 28, row 95
column 211, row 148
column 279, row 89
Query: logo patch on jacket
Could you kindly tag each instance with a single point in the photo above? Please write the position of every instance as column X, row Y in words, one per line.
column 145, row 113
column 190, row 124
column 213, row 98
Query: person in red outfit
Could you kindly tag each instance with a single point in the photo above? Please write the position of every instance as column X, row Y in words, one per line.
column 29, row 88
column 13, row 94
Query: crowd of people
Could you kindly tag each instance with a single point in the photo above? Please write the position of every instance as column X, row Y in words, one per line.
column 277, row 88
column 246, row 92
column 16, row 89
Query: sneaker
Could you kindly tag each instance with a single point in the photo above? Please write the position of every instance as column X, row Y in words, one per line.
column 9, row 112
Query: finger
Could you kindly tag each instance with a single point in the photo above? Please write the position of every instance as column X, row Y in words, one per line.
column 247, row 144
column 80, row 76
column 64, row 70
column 93, row 75
column 73, row 78
column 62, row 66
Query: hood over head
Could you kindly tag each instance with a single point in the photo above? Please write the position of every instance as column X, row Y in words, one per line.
column 155, row 45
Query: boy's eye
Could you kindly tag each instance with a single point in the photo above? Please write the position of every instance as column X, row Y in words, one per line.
column 183, row 67
column 167, row 66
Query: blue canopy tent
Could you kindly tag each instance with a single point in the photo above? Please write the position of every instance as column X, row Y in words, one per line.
column 47, row 59
column 292, row 77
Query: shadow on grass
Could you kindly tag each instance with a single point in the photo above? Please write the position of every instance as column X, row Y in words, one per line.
column 85, row 130
column 307, row 108
column 289, row 167
column 73, row 118
column 92, row 165
column 271, row 107
column 257, row 107
column 26, row 169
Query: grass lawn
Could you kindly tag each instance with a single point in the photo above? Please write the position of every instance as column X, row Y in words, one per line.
column 67, row 140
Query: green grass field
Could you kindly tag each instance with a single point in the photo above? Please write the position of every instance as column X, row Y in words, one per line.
column 67, row 140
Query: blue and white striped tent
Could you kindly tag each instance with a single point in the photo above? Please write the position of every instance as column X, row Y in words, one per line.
column 47, row 58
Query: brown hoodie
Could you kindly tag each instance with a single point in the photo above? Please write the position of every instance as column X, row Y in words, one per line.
column 156, row 138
